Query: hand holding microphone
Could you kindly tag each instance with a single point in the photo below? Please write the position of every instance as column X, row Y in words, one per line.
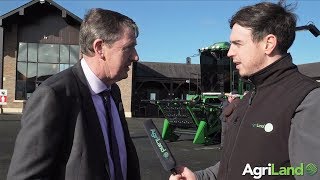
column 164, row 154
column 184, row 173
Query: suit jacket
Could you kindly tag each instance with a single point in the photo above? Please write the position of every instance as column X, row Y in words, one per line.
column 61, row 137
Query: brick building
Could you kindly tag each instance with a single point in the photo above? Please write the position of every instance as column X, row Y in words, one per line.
column 40, row 39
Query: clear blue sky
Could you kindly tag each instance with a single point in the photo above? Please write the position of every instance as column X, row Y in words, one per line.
column 170, row 31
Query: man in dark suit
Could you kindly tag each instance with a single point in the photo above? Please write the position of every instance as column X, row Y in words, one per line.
column 66, row 126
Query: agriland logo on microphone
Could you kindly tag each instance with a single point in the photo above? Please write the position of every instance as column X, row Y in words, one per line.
column 158, row 142
column 258, row 172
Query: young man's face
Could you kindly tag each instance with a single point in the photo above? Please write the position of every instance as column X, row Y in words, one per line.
column 120, row 55
column 248, row 56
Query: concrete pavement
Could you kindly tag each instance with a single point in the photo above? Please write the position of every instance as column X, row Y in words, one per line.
column 194, row 156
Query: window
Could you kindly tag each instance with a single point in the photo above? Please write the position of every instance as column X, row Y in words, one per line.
column 37, row 62
column 64, row 54
column 32, row 52
column 153, row 96
column 74, row 53
column 48, row 53
column 22, row 56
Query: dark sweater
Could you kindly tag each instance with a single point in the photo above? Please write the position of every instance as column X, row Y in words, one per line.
column 261, row 123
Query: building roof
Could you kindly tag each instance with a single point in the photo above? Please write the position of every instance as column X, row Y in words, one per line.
column 311, row 69
column 20, row 10
column 168, row 70
column 183, row 71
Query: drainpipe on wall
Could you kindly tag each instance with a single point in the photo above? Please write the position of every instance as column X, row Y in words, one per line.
column 1, row 57
column 1, row 60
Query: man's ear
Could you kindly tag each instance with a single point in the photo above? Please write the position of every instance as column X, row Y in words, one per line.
column 97, row 47
column 270, row 43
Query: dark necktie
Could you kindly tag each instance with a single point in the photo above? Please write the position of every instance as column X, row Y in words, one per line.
column 114, row 150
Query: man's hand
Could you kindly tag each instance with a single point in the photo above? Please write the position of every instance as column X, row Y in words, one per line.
column 183, row 174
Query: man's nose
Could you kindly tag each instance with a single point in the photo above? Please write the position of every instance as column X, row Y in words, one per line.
column 135, row 56
column 230, row 52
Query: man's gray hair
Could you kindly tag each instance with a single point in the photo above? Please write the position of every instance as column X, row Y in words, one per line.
column 103, row 24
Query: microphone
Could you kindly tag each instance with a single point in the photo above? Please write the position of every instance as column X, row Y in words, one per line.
column 160, row 147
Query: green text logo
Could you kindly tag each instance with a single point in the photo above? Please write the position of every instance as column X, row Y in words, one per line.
column 311, row 169
column 257, row 172
column 158, row 142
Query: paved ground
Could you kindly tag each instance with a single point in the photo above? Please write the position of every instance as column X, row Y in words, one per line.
column 194, row 156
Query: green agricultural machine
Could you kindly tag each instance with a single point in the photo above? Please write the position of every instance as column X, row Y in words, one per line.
column 198, row 115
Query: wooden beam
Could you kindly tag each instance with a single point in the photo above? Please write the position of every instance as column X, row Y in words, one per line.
column 177, row 87
column 138, row 87
column 21, row 12
column 64, row 13
column 165, row 87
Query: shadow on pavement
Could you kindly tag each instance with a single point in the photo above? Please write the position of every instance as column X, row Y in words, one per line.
column 186, row 153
